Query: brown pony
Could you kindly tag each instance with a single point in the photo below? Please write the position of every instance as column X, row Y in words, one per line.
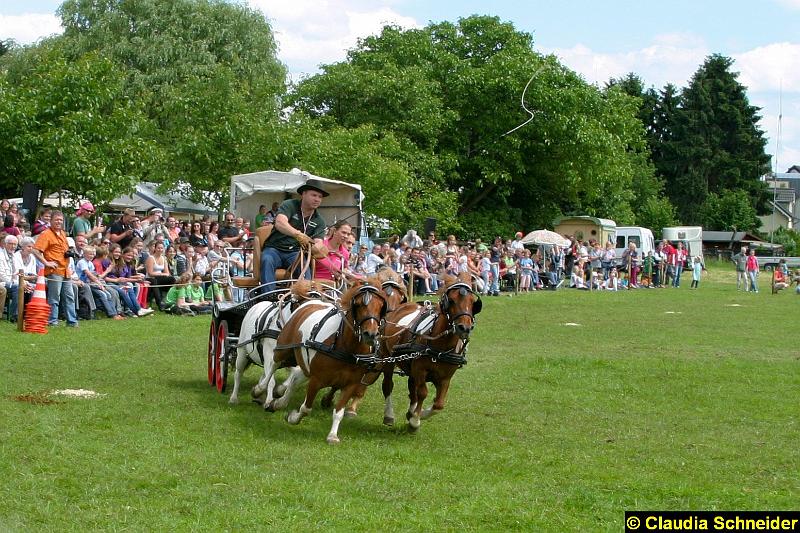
column 394, row 292
column 429, row 345
column 333, row 346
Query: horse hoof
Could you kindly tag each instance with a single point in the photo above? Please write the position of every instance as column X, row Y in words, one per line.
column 269, row 407
column 412, row 429
column 333, row 439
column 255, row 393
column 388, row 420
column 278, row 391
column 293, row 418
column 349, row 413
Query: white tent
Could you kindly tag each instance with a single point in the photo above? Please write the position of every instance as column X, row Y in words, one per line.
column 249, row 191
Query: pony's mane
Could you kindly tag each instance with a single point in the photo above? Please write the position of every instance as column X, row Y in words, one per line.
column 303, row 289
column 387, row 274
column 347, row 297
column 449, row 280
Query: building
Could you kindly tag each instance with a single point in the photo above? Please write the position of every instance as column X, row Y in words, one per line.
column 784, row 193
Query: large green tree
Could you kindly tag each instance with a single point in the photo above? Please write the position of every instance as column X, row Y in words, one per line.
column 717, row 145
column 453, row 91
column 207, row 73
column 67, row 124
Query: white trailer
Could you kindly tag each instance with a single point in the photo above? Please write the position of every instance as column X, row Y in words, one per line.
column 691, row 236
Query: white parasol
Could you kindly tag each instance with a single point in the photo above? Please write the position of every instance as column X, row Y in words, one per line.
column 543, row 236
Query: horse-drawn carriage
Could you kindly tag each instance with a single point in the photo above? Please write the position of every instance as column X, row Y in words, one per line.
column 362, row 331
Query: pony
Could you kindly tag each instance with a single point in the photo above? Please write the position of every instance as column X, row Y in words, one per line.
column 261, row 326
column 333, row 346
column 428, row 344
column 394, row 292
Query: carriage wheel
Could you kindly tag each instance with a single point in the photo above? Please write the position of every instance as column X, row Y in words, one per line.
column 221, row 369
column 212, row 346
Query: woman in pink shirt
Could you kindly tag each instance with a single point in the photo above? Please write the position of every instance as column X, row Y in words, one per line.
column 332, row 266
column 752, row 270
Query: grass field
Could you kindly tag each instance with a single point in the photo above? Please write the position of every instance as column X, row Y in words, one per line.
column 658, row 399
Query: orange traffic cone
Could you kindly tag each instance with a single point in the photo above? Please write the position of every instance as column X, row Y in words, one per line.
column 38, row 310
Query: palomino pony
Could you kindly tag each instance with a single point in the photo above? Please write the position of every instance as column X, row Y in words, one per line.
column 260, row 329
column 333, row 346
column 429, row 344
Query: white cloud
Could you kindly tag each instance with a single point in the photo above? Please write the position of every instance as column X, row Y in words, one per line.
column 671, row 58
column 770, row 67
column 311, row 32
column 29, row 27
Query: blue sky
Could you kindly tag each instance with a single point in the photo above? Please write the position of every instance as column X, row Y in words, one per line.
column 661, row 41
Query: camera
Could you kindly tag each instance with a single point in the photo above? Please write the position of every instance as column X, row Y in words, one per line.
column 72, row 253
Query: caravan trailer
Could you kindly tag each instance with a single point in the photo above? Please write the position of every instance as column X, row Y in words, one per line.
column 691, row 236
column 642, row 237
column 584, row 228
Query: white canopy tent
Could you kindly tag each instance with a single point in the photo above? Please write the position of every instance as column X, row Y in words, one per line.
column 249, row 191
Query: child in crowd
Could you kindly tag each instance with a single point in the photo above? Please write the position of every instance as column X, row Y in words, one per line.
column 697, row 271
column 612, row 283
column 195, row 296
column 576, row 280
column 647, row 270
column 175, row 301
column 526, row 272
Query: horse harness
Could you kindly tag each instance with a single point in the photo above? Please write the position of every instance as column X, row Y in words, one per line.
column 415, row 349
column 312, row 343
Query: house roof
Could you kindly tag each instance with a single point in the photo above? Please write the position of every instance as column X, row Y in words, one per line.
column 730, row 236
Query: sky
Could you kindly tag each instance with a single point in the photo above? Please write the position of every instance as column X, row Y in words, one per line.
column 662, row 42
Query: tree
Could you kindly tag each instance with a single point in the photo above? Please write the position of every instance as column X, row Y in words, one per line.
column 716, row 144
column 207, row 73
column 452, row 93
column 729, row 211
column 70, row 125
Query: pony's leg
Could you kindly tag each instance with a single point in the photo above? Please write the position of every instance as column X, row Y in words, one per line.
column 296, row 377
column 242, row 362
column 387, row 386
column 313, row 388
column 339, row 412
column 355, row 401
column 327, row 401
column 438, row 401
column 415, row 408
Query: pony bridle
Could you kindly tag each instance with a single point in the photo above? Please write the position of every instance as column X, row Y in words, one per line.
column 444, row 305
column 368, row 291
column 390, row 286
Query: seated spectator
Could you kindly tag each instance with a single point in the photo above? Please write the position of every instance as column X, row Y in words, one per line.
column 779, row 280
column 374, row 260
column 8, row 279
column 87, row 274
column 576, row 279
column 10, row 226
column 122, row 277
column 175, row 301
column 195, row 296
column 158, row 274
column 612, row 283
column 25, row 261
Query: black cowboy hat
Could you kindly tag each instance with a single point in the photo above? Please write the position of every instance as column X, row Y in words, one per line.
column 313, row 185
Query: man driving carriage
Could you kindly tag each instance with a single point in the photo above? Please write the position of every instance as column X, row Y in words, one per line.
column 297, row 225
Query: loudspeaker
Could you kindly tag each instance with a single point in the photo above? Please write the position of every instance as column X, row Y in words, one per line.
column 430, row 227
column 30, row 200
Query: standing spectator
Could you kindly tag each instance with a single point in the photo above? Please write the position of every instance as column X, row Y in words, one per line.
column 197, row 238
column 526, row 282
column 229, row 232
column 516, row 244
column 121, row 231
column 607, row 259
column 740, row 260
column 173, row 230
column 669, row 275
column 752, row 270
column 412, row 240
column 680, row 258
column 82, row 226
column 51, row 248
column 631, row 258
column 5, row 207
column 659, row 265
column 697, row 271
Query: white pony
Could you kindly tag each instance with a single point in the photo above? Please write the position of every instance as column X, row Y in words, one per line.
column 261, row 326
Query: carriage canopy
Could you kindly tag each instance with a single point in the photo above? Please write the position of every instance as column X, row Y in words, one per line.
column 249, row 191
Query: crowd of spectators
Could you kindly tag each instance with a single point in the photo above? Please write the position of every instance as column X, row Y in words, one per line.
column 138, row 264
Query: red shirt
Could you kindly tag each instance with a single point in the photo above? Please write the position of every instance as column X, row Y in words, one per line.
column 332, row 263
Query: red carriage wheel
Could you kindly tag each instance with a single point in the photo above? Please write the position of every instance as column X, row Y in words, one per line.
column 221, row 367
column 212, row 346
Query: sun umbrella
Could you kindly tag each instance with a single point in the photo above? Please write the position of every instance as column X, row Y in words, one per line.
column 543, row 236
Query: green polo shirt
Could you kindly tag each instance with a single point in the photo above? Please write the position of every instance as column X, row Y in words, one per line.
column 314, row 227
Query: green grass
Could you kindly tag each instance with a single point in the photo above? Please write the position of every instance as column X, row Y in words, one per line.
column 549, row 427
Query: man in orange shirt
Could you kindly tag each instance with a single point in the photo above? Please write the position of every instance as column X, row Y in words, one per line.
column 51, row 249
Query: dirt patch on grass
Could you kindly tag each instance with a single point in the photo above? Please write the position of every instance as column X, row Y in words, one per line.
column 35, row 398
